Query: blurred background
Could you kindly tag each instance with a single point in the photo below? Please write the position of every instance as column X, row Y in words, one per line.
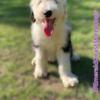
column 16, row 79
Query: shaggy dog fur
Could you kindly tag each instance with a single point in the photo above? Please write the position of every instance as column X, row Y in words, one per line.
column 51, row 40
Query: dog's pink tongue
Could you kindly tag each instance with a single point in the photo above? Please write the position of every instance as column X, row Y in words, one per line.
column 48, row 28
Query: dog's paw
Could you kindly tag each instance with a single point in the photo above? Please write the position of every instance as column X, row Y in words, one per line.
column 75, row 57
column 40, row 74
column 69, row 80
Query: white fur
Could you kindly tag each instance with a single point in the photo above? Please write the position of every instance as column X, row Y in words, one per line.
column 51, row 47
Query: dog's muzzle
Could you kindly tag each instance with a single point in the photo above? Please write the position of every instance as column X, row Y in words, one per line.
column 48, row 13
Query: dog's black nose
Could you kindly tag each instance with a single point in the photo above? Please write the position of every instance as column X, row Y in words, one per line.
column 48, row 13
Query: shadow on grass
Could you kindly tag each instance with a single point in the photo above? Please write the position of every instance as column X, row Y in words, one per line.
column 11, row 14
column 83, row 69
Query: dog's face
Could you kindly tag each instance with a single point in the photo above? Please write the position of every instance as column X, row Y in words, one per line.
column 48, row 12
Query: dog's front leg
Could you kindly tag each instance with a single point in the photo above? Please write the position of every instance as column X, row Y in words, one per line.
column 66, row 76
column 40, row 63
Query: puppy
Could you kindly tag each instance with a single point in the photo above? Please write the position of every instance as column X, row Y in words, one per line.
column 51, row 39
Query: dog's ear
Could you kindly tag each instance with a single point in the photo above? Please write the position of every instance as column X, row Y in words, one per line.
column 32, row 16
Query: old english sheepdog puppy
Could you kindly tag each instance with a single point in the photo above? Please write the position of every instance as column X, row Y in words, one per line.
column 51, row 39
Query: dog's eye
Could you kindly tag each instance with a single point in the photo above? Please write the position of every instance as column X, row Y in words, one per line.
column 39, row 1
column 32, row 17
column 56, row 1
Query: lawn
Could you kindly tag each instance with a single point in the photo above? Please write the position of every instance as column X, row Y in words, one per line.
column 16, row 79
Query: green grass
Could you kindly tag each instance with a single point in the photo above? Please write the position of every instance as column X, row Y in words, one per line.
column 16, row 79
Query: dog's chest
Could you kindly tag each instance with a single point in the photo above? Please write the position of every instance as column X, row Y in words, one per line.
column 56, row 40
column 53, row 42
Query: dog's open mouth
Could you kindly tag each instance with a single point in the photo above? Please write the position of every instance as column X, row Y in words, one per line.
column 48, row 25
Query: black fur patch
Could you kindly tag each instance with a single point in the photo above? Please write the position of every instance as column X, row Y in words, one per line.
column 68, row 47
